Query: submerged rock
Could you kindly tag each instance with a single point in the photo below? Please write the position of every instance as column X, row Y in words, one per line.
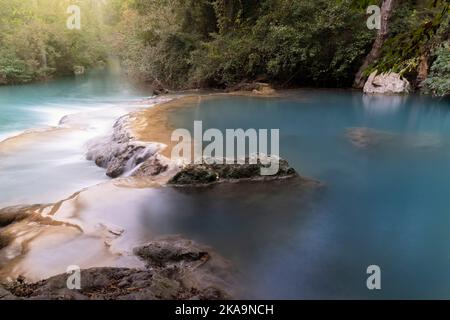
column 386, row 83
column 176, row 269
column 203, row 174
column 14, row 214
column 368, row 138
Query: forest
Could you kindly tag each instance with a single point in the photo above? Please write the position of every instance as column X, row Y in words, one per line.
column 220, row 43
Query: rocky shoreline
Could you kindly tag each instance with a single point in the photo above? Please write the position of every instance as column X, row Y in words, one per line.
column 124, row 154
column 176, row 268
column 121, row 152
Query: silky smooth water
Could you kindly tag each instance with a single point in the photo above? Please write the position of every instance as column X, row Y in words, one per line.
column 44, row 104
column 48, row 162
column 385, row 204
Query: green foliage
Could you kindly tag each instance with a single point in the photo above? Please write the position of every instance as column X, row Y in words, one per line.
column 155, row 38
column 438, row 81
column 315, row 42
column 310, row 42
column 35, row 43
column 12, row 69
column 199, row 43
column 414, row 32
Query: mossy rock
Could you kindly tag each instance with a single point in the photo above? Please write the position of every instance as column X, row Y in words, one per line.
column 202, row 174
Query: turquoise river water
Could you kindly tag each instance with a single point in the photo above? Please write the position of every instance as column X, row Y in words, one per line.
column 384, row 162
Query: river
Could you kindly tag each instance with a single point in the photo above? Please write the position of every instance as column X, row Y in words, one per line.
column 43, row 160
column 383, row 160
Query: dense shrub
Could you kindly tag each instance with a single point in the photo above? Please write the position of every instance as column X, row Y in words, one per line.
column 317, row 42
column 438, row 81
column 35, row 43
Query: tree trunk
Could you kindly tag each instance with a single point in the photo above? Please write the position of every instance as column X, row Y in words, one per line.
column 43, row 56
column 374, row 54
column 422, row 72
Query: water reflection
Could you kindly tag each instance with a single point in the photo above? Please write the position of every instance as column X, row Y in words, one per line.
column 381, row 104
column 386, row 198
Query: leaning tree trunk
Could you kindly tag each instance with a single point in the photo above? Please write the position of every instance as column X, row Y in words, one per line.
column 374, row 54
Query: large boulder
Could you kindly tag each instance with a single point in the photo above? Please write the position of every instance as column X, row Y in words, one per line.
column 120, row 153
column 386, row 83
column 205, row 174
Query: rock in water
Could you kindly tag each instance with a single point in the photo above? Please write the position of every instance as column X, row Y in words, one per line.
column 204, row 174
column 121, row 153
column 386, row 83
column 171, row 251
column 367, row 138
column 153, row 166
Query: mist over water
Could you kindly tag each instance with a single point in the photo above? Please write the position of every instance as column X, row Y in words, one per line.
column 39, row 104
column 47, row 162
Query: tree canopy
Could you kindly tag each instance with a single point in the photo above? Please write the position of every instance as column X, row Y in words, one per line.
column 219, row 43
column 35, row 42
